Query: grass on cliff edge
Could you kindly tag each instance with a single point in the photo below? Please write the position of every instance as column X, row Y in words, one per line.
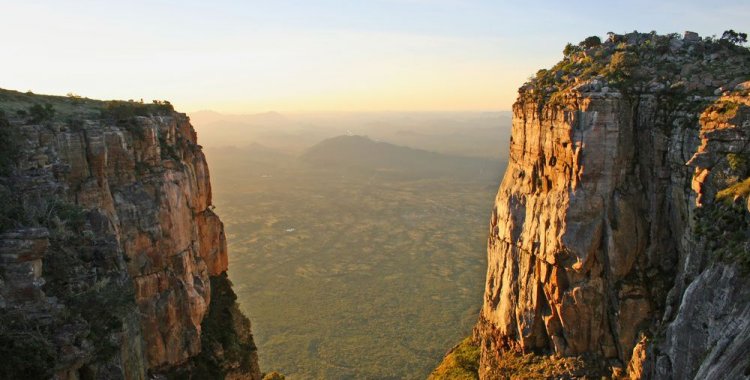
column 461, row 363
column 740, row 189
column 73, row 107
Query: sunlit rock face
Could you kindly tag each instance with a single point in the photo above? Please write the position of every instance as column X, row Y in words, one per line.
column 570, row 233
column 593, row 249
column 143, row 188
column 159, row 217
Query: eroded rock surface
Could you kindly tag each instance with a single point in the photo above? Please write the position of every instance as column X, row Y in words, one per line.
column 121, row 209
column 594, row 248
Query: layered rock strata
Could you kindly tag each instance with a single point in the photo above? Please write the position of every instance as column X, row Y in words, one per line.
column 594, row 248
column 110, row 236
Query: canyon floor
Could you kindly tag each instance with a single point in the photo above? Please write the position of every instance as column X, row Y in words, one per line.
column 352, row 273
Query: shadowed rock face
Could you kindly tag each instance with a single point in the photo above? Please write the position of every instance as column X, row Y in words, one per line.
column 592, row 249
column 143, row 187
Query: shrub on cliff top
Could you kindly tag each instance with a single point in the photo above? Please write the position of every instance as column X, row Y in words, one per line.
column 640, row 63
column 41, row 113
column 571, row 49
column 591, row 42
column 120, row 110
column 734, row 37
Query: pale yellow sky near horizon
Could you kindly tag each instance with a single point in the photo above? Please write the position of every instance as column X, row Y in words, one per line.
column 288, row 56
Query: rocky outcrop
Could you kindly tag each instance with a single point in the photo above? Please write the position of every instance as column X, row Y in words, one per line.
column 110, row 235
column 593, row 248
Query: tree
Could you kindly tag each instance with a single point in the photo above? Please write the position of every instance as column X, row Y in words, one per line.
column 590, row 42
column 621, row 67
column 570, row 49
column 734, row 37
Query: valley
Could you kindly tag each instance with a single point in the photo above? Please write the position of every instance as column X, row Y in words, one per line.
column 349, row 265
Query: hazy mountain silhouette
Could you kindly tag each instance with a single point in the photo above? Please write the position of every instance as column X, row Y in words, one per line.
column 476, row 134
column 364, row 154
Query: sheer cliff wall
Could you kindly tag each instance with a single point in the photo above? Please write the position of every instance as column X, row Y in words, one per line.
column 110, row 244
column 602, row 240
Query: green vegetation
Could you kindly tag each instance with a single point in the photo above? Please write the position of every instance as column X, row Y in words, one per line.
column 737, row 162
column 63, row 219
column 725, row 227
column 738, row 190
column 362, row 153
column 591, row 42
column 25, row 347
column 723, row 110
column 121, row 110
column 571, row 49
column 8, row 146
column 274, row 376
column 461, row 363
column 512, row 365
column 46, row 108
column 354, row 271
column 75, row 270
column 226, row 341
column 734, row 37
column 103, row 306
column 11, row 210
column 167, row 150
column 723, row 224
column 635, row 63
column 41, row 113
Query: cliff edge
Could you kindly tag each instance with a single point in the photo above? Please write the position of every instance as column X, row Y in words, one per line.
column 619, row 236
column 112, row 262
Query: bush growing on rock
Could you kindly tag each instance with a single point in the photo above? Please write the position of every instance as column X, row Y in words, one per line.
column 274, row 376
column 120, row 110
column 734, row 37
column 41, row 113
column 571, row 49
column 591, row 42
column 25, row 348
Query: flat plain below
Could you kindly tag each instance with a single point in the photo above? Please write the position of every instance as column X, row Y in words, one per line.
column 352, row 272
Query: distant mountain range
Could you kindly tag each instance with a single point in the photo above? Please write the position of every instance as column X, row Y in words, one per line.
column 476, row 134
column 364, row 154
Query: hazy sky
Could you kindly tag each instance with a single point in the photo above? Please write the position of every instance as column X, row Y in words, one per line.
column 317, row 55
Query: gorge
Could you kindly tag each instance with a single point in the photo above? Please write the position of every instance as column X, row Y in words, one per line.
column 618, row 241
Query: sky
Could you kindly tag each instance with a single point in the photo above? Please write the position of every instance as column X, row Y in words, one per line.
column 318, row 55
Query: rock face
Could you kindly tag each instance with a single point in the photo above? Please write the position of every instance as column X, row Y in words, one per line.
column 594, row 246
column 110, row 220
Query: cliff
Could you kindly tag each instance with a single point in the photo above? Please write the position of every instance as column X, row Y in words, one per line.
column 110, row 253
column 619, row 236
